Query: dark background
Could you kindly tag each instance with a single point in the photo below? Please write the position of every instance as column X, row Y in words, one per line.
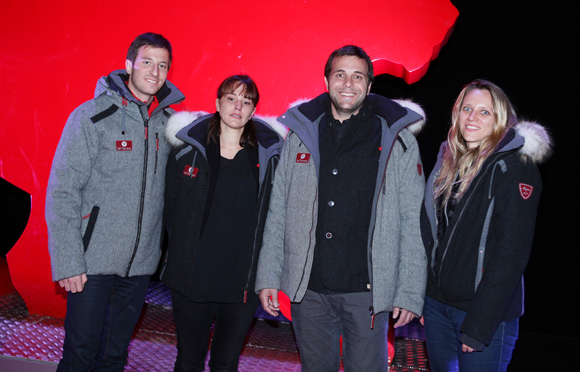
column 529, row 49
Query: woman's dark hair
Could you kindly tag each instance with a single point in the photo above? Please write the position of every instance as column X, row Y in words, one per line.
column 250, row 91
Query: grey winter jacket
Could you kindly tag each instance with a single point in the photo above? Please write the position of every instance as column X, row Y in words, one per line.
column 104, row 197
column 396, row 259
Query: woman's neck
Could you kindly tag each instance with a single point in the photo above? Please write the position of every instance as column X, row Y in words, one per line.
column 230, row 142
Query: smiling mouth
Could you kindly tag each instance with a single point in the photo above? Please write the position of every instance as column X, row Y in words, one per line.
column 152, row 81
column 345, row 94
column 471, row 127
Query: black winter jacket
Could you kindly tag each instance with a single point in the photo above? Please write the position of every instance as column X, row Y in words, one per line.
column 488, row 240
column 187, row 185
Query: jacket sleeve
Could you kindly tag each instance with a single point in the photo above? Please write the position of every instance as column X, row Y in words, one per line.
column 271, row 259
column 509, row 244
column 70, row 172
column 410, row 292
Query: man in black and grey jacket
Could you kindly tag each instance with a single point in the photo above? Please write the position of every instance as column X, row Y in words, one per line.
column 342, row 236
column 104, row 205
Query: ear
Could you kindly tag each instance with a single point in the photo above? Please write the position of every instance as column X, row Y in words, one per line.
column 369, row 90
column 217, row 104
column 253, row 112
column 128, row 66
column 326, row 82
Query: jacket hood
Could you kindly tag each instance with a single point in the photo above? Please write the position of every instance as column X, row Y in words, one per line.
column 180, row 120
column 312, row 108
column 115, row 82
column 537, row 141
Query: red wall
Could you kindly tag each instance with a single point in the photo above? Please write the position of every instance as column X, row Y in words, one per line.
column 54, row 52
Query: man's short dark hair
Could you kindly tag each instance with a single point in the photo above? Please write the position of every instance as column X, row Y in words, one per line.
column 350, row 50
column 152, row 40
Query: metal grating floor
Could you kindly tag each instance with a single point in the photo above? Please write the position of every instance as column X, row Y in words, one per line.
column 270, row 345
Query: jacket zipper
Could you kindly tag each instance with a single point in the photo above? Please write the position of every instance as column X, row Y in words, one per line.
column 142, row 199
column 459, row 218
column 269, row 170
column 156, row 151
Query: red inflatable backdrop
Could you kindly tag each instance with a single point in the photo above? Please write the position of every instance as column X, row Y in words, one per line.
column 54, row 53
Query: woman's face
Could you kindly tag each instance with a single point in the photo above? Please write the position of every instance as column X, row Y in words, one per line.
column 476, row 118
column 235, row 109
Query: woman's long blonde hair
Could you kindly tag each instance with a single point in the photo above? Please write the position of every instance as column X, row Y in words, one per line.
column 459, row 162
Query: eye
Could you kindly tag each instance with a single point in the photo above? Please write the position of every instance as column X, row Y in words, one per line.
column 339, row 74
column 146, row 62
column 467, row 109
column 163, row 66
column 358, row 77
column 247, row 103
column 485, row 112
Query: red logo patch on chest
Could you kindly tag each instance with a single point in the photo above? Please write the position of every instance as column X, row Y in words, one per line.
column 302, row 157
column 526, row 191
column 124, row 145
column 190, row 171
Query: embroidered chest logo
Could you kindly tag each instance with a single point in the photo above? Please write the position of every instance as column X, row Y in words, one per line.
column 124, row 145
column 526, row 191
column 302, row 157
column 190, row 171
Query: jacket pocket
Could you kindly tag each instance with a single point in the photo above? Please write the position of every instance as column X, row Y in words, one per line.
column 90, row 227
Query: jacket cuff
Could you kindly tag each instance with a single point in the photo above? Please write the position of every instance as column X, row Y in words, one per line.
column 465, row 339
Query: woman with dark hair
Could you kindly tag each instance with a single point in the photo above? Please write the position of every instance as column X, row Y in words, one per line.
column 219, row 178
column 478, row 224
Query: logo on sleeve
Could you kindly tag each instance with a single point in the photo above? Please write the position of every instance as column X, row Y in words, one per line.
column 124, row 145
column 526, row 191
column 190, row 171
column 302, row 157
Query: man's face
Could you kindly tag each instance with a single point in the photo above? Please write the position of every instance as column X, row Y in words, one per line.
column 148, row 73
column 348, row 86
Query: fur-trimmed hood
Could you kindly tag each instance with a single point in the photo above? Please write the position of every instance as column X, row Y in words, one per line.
column 181, row 119
column 415, row 128
column 537, row 141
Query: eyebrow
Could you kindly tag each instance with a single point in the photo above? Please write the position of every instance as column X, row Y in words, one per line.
column 343, row 70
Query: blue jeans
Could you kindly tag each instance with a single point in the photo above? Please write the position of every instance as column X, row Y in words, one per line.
column 442, row 324
column 100, row 321
column 320, row 319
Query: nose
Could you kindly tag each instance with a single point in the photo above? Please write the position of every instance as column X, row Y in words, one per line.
column 348, row 81
column 155, row 70
column 471, row 116
column 238, row 105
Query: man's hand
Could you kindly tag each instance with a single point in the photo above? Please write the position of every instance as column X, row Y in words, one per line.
column 467, row 349
column 405, row 316
column 74, row 284
column 269, row 299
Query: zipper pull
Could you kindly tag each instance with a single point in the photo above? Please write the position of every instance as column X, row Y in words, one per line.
column 372, row 310
column 246, row 296
column 157, row 140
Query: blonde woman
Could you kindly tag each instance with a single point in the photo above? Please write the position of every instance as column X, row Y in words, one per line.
column 478, row 224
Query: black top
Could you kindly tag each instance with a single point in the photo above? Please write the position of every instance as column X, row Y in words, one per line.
column 349, row 162
column 226, row 242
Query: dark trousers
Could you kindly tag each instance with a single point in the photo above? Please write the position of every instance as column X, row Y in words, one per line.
column 442, row 324
column 193, row 322
column 319, row 321
column 100, row 321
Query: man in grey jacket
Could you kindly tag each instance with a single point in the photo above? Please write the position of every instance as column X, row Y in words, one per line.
column 104, row 205
column 342, row 236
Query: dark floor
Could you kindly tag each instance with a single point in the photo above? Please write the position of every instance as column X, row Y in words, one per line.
column 33, row 343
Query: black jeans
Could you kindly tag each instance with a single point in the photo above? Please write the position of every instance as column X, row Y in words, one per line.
column 193, row 322
column 99, row 323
